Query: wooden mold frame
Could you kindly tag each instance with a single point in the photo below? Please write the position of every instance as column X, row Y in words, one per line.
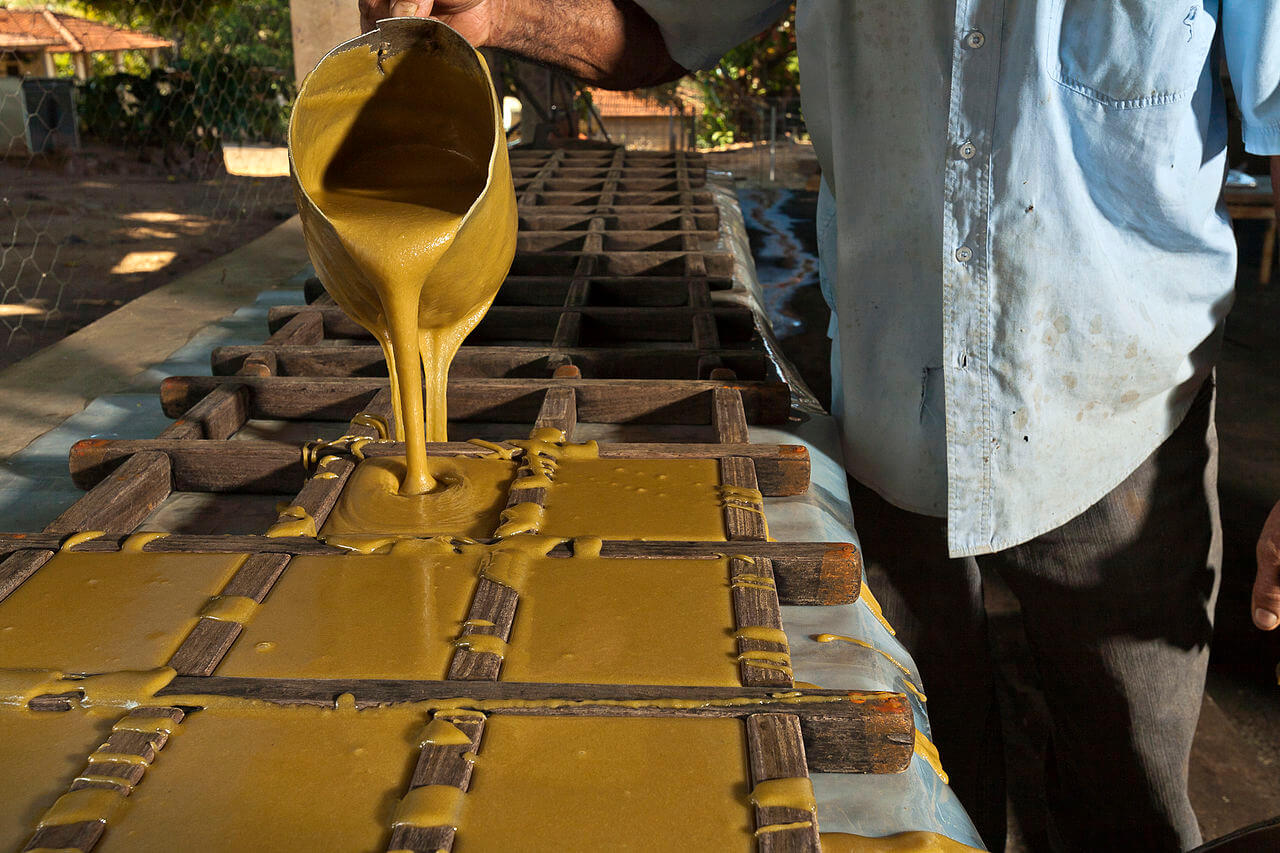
column 127, row 480
column 617, row 260
column 788, row 735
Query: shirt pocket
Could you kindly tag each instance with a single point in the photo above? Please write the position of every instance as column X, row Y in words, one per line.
column 1127, row 54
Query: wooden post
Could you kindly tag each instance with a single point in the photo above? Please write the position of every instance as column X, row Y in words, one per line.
column 318, row 26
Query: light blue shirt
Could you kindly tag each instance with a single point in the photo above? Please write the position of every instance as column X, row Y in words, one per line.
column 1021, row 219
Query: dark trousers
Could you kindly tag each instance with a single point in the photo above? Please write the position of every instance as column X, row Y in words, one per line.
column 1117, row 605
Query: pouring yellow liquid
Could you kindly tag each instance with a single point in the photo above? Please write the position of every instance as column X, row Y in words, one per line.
column 401, row 173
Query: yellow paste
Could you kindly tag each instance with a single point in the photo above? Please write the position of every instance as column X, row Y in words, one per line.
column 782, row 827
column 138, row 541
column 430, row 805
column 864, row 593
column 466, row 500
column 499, row 451
column 927, row 751
column 299, row 523
column 146, row 725
column 408, row 208
column 543, row 452
column 482, row 643
column 40, row 753
column 80, row 538
column 587, row 546
column 122, row 688
column 441, row 732
column 96, row 612
column 605, row 621
column 790, row 793
column 389, row 615
column 83, row 805
column 607, row 783
column 906, row 673
column 519, row 519
column 230, row 608
column 903, row 842
column 654, row 499
column 270, row 778
column 764, row 635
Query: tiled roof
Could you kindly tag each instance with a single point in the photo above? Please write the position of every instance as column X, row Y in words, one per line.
column 58, row 32
column 629, row 104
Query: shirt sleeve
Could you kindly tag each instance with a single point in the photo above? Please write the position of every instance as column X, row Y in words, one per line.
column 699, row 32
column 1251, row 37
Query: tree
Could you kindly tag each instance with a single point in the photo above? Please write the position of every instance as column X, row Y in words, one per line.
column 761, row 67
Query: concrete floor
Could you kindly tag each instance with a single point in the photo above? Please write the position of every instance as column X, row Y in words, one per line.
column 1237, row 749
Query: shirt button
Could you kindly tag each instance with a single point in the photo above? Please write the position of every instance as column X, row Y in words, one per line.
column 975, row 39
column 964, row 254
column 968, row 150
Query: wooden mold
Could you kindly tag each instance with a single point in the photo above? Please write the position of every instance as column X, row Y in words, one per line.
column 608, row 318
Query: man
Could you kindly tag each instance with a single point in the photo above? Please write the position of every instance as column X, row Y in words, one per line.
column 1029, row 267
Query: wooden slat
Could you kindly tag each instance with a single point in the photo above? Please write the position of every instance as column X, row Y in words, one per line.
column 805, row 572
column 19, row 566
column 210, row 639
column 739, row 522
column 755, row 605
column 480, row 362
column 775, row 750
column 495, row 603
column 440, row 765
column 121, row 501
column 844, row 731
column 728, row 416
column 220, row 414
column 505, row 400
column 270, row 467
column 538, row 322
column 85, row 834
column 304, row 326
column 559, row 410
column 318, row 496
column 492, row 361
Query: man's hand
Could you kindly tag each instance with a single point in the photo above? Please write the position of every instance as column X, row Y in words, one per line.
column 1266, row 587
column 473, row 19
column 613, row 44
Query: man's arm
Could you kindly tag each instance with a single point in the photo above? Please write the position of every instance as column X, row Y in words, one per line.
column 1266, row 586
column 613, row 44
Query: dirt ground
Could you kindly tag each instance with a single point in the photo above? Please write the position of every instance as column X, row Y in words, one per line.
column 80, row 237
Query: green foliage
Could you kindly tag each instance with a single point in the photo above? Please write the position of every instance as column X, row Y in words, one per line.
column 762, row 67
column 229, row 76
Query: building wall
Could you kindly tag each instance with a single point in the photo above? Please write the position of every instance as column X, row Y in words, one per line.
column 646, row 133
column 22, row 64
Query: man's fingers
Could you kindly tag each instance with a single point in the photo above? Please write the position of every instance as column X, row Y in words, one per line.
column 411, row 8
column 372, row 11
column 1266, row 586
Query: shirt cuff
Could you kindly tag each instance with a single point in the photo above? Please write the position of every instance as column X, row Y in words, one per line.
column 697, row 34
column 1262, row 141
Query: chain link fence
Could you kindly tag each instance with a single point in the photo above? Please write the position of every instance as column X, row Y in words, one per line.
column 139, row 139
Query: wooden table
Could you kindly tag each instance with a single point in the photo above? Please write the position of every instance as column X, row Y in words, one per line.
column 1257, row 203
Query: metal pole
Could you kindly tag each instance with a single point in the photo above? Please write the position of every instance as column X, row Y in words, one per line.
column 773, row 142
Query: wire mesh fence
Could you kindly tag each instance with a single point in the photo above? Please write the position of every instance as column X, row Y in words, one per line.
column 138, row 139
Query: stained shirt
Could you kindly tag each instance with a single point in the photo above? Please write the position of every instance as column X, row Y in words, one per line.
column 1021, row 229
